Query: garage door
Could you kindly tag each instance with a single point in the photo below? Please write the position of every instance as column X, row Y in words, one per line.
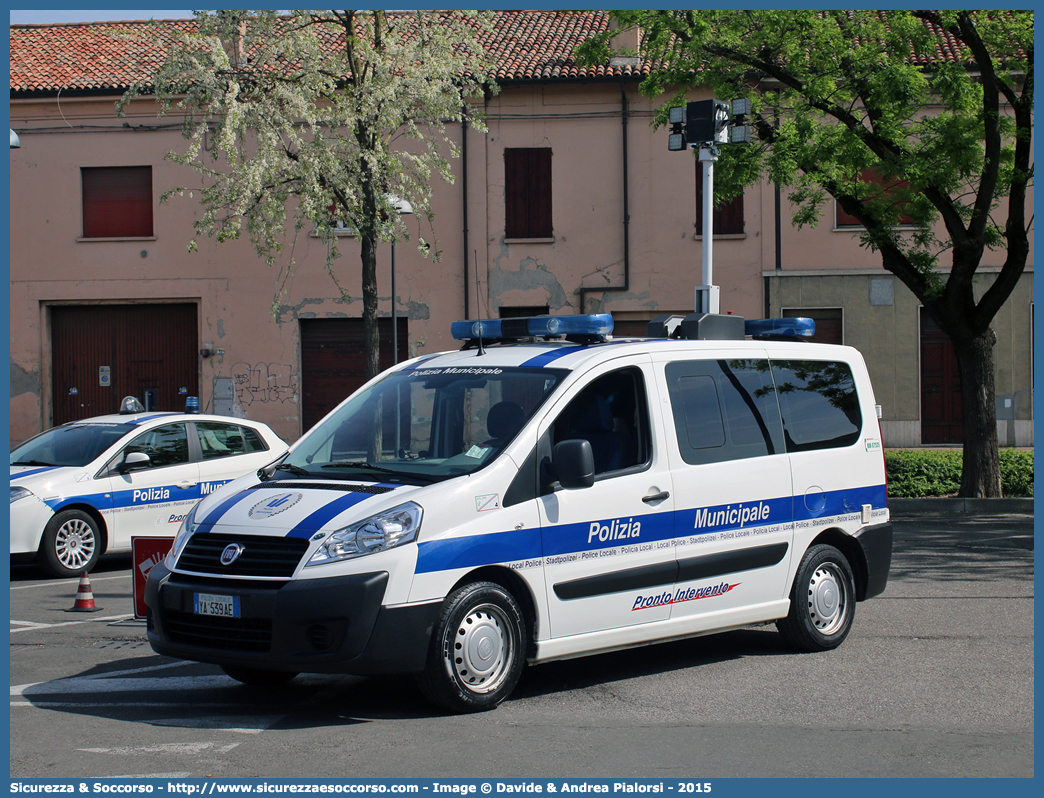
column 333, row 364
column 102, row 353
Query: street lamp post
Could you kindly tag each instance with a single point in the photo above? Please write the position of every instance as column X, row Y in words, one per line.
column 403, row 208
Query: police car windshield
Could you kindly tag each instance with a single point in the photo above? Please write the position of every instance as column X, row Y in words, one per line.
column 73, row 445
column 423, row 425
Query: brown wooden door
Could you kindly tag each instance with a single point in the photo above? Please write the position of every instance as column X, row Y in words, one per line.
column 941, row 418
column 333, row 364
column 102, row 353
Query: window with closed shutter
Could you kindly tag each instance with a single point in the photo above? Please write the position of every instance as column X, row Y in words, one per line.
column 728, row 218
column 527, row 192
column 117, row 201
column 844, row 219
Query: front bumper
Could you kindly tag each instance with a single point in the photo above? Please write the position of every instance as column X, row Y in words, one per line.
column 334, row 625
column 29, row 517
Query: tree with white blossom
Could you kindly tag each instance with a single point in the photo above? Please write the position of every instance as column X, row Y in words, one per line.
column 301, row 120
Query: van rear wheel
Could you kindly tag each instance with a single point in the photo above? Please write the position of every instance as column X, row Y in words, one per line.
column 822, row 601
column 477, row 649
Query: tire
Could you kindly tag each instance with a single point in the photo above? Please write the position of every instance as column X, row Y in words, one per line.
column 71, row 544
column 822, row 601
column 477, row 649
column 258, row 677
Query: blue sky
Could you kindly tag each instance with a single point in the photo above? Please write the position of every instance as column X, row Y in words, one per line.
column 28, row 17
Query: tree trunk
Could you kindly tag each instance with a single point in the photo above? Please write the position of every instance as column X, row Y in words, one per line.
column 981, row 466
column 371, row 337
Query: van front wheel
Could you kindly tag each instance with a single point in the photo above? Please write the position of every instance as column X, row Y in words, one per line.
column 477, row 649
column 822, row 601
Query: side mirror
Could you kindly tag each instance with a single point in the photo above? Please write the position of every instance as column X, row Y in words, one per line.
column 133, row 462
column 573, row 463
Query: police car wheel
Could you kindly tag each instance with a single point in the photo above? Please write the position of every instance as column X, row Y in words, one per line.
column 822, row 601
column 71, row 544
column 477, row 649
column 258, row 677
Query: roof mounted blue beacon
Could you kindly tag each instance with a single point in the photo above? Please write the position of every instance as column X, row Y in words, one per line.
column 797, row 329
column 588, row 328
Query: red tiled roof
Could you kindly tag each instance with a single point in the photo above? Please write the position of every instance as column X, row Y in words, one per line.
column 527, row 45
column 103, row 55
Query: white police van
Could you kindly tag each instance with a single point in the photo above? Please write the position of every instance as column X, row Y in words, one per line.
column 545, row 492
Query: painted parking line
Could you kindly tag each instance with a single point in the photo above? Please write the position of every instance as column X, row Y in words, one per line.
column 164, row 748
column 76, row 581
column 28, row 626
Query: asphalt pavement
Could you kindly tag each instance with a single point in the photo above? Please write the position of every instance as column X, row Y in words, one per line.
column 936, row 680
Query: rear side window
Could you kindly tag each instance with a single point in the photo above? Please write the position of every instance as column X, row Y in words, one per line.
column 223, row 440
column 724, row 410
column 819, row 404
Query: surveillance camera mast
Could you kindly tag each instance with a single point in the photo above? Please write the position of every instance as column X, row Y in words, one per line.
column 704, row 124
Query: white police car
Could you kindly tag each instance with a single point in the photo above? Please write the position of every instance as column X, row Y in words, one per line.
column 546, row 492
column 84, row 488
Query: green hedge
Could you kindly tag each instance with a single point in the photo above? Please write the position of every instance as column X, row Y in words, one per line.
column 916, row 473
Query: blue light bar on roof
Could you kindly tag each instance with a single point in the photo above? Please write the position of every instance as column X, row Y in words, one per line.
column 493, row 329
column 795, row 327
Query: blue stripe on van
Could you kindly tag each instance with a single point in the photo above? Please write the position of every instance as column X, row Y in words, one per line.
column 838, row 502
column 215, row 515
column 317, row 520
column 525, row 544
column 475, row 550
column 420, row 363
column 547, row 357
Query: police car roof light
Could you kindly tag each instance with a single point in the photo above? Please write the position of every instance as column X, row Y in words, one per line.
column 790, row 328
column 596, row 324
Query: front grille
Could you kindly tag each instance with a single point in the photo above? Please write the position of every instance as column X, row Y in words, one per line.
column 252, row 635
column 262, row 556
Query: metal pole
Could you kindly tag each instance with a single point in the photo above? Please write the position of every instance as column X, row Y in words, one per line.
column 707, row 298
column 395, row 324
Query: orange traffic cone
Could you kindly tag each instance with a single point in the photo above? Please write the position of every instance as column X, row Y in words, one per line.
column 84, row 597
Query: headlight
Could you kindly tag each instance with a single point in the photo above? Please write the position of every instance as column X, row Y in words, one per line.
column 377, row 533
column 188, row 526
column 19, row 493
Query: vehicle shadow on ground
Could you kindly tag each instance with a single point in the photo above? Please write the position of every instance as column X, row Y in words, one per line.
column 160, row 691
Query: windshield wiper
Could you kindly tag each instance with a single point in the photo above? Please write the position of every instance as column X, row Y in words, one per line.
column 291, row 468
column 32, row 463
column 364, row 466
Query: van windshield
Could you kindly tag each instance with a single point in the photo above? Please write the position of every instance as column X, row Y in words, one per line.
column 423, row 425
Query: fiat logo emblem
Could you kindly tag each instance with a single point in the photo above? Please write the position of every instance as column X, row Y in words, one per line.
column 231, row 553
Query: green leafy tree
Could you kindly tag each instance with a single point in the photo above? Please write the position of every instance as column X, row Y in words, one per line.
column 299, row 121
column 861, row 107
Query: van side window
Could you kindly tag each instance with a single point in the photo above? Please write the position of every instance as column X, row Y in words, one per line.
column 819, row 404
column 724, row 410
column 611, row 413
